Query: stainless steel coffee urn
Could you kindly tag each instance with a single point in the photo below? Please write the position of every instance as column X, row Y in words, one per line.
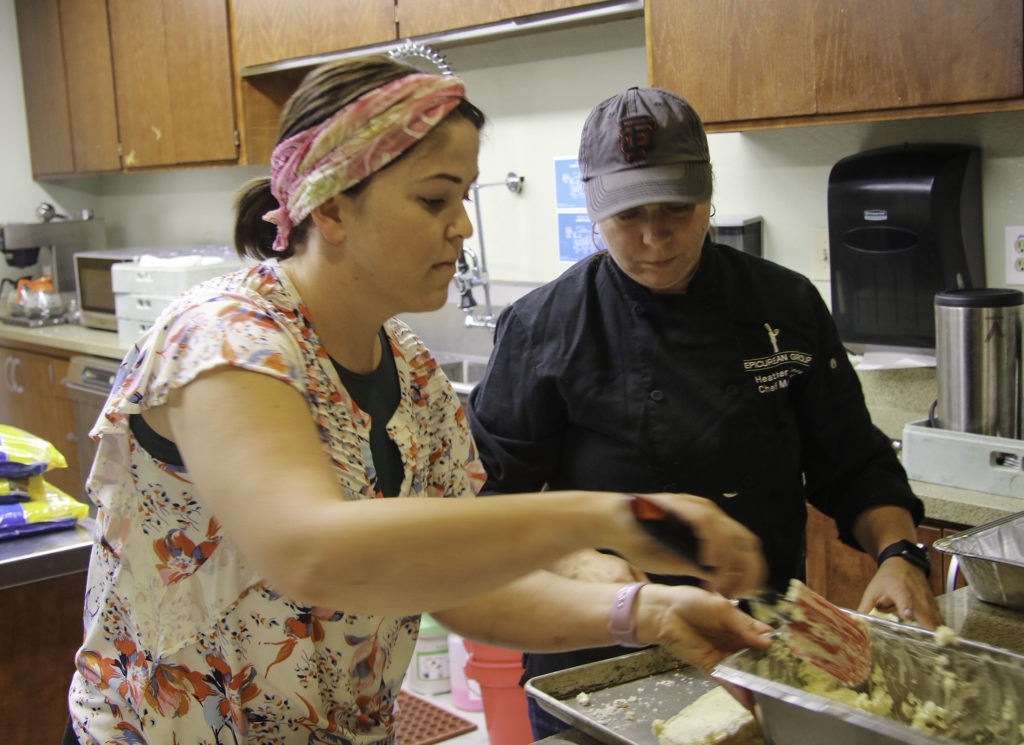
column 978, row 361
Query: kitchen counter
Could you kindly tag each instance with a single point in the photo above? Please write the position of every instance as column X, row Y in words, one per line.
column 963, row 506
column 969, row 617
column 35, row 558
column 64, row 337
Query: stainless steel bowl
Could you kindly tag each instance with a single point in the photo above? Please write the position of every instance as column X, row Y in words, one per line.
column 992, row 559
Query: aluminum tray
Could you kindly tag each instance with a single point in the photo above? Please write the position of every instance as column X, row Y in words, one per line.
column 992, row 559
column 986, row 689
column 625, row 694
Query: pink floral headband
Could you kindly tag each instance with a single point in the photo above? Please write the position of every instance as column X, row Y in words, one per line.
column 359, row 139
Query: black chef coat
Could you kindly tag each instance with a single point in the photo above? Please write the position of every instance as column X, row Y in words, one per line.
column 739, row 391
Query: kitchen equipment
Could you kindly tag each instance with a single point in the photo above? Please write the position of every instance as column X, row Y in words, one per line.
column 813, row 628
column 156, row 274
column 617, row 700
column 978, row 361
column 33, row 250
column 904, row 223
column 992, row 559
column 962, row 459
column 666, row 528
column 980, row 688
column 742, row 232
column 822, row 634
column 89, row 381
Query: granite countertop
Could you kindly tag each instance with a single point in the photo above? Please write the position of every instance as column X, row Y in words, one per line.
column 67, row 338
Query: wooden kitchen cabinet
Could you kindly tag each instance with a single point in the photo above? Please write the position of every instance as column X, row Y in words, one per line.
column 40, row 631
column 174, row 82
column 69, row 86
column 33, row 398
column 419, row 17
column 132, row 84
column 841, row 573
column 784, row 62
column 270, row 30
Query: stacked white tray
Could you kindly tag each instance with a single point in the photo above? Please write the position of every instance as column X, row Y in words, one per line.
column 968, row 461
column 142, row 289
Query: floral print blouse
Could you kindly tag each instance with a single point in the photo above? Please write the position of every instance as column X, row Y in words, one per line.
column 184, row 642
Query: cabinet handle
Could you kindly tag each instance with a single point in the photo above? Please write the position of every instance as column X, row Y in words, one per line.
column 12, row 375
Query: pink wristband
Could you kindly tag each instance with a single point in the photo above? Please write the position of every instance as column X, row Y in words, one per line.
column 620, row 620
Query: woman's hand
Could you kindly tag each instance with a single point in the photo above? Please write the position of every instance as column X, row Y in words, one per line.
column 696, row 626
column 731, row 561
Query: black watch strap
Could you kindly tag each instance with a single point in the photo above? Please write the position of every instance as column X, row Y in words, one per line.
column 915, row 553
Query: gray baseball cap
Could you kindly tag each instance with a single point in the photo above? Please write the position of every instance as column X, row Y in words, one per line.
column 644, row 146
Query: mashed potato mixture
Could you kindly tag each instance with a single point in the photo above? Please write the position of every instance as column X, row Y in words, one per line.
column 944, row 716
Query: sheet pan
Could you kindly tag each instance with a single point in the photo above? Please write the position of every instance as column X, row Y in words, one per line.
column 617, row 700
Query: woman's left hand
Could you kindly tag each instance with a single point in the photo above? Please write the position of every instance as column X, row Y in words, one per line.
column 697, row 626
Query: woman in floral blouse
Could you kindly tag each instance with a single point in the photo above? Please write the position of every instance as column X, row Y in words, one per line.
column 250, row 580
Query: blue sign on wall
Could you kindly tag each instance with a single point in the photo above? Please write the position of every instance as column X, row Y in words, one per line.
column 568, row 187
column 575, row 236
column 575, row 232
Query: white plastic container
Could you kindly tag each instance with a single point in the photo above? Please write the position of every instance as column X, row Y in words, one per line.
column 430, row 669
column 129, row 331
column 170, row 274
column 133, row 306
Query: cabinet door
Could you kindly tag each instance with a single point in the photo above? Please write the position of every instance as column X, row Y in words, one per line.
column 90, row 85
column 740, row 62
column 42, row 72
column 172, row 69
column 69, row 86
column 271, row 30
column 887, row 54
column 33, row 398
column 40, row 631
column 734, row 59
column 418, row 17
column 840, row 573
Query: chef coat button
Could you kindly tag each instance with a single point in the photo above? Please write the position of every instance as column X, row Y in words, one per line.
column 732, row 390
column 657, row 395
column 638, row 310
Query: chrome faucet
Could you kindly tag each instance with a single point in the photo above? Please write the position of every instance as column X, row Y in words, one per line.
column 471, row 269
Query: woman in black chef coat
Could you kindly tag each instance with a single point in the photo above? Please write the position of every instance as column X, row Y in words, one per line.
column 667, row 362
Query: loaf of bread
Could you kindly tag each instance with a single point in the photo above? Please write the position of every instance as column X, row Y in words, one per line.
column 716, row 718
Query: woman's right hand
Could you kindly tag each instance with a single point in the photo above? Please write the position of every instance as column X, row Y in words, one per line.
column 730, row 557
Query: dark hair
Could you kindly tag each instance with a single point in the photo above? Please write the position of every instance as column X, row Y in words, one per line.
column 322, row 92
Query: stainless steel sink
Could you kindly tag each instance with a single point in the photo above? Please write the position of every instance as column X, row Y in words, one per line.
column 462, row 371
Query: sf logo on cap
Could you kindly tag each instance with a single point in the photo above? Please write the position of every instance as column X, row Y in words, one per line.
column 636, row 137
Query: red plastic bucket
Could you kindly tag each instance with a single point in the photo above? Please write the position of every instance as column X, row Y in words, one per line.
column 504, row 699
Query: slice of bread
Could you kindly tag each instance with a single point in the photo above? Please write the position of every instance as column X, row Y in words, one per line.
column 716, row 718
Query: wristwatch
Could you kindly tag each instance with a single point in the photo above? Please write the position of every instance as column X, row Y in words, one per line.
column 915, row 553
